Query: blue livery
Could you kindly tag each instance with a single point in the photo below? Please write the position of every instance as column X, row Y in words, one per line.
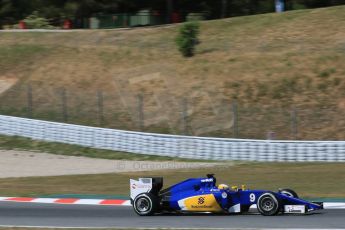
column 204, row 195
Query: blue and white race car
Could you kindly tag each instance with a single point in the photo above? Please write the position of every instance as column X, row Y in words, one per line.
column 204, row 195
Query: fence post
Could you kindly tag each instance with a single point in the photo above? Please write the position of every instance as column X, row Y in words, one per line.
column 235, row 119
column 100, row 108
column 294, row 131
column 184, row 116
column 224, row 8
column 29, row 101
column 169, row 10
column 64, row 105
column 141, row 112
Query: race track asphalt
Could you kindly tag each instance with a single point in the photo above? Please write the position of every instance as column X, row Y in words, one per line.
column 57, row 215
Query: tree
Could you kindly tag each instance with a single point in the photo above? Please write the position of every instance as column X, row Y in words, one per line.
column 6, row 10
column 187, row 38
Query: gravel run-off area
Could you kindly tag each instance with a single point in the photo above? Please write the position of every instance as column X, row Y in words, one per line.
column 26, row 164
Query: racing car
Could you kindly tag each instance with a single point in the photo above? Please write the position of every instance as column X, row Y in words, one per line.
column 204, row 195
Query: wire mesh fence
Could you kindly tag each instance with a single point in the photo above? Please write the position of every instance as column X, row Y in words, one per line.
column 188, row 115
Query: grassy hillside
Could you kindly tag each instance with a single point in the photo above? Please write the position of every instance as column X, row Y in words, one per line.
column 267, row 63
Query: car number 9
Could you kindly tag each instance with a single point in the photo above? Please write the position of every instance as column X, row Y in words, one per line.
column 252, row 197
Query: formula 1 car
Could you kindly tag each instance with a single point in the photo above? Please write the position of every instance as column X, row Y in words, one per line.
column 203, row 195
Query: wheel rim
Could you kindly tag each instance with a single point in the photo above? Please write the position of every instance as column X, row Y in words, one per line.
column 143, row 205
column 267, row 204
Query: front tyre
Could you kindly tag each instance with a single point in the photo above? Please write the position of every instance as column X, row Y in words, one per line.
column 268, row 204
column 145, row 204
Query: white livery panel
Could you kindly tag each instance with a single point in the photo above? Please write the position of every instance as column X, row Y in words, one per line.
column 143, row 185
column 295, row 209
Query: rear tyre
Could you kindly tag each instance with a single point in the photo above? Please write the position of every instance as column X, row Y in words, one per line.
column 268, row 204
column 146, row 204
column 288, row 192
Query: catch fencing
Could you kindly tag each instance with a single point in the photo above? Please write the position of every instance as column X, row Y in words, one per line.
column 162, row 111
column 174, row 145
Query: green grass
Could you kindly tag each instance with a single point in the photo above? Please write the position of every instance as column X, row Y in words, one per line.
column 310, row 180
column 20, row 143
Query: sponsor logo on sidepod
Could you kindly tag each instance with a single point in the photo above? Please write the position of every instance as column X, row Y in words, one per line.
column 201, row 201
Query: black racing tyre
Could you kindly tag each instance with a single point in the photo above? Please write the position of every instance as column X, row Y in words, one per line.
column 268, row 204
column 145, row 204
column 288, row 192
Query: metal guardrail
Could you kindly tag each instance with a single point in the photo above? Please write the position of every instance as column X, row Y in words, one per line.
column 174, row 145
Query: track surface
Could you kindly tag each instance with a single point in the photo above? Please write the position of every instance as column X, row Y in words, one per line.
column 55, row 215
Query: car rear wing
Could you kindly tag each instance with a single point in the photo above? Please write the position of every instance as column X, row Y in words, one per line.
column 145, row 185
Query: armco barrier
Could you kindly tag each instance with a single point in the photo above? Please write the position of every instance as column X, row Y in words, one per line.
column 173, row 145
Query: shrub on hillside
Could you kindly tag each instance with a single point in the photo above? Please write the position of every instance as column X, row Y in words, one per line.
column 187, row 38
column 34, row 21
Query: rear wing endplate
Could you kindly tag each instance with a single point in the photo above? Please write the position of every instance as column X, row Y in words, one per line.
column 145, row 185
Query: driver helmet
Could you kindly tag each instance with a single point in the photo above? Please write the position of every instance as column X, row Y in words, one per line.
column 223, row 186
